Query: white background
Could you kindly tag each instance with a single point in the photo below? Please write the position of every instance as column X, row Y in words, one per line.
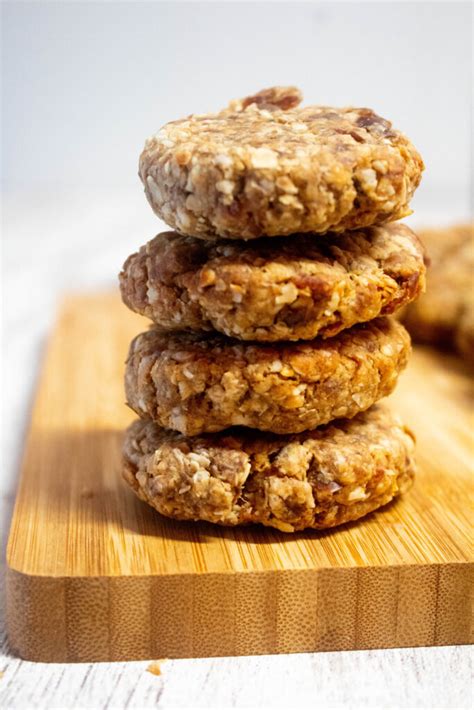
column 83, row 85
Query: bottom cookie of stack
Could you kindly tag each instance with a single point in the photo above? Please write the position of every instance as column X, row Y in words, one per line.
column 317, row 479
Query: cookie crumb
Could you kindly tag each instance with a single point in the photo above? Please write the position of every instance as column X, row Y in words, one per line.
column 155, row 666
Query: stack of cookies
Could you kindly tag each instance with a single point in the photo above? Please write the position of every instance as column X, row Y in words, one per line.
column 271, row 343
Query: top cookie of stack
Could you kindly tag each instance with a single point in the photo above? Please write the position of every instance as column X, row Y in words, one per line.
column 266, row 167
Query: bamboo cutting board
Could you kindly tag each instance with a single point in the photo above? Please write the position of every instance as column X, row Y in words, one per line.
column 96, row 575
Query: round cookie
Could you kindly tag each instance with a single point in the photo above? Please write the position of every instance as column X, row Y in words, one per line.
column 317, row 479
column 274, row 289
column 444, row 315
column 266, row 167
column 208, row 383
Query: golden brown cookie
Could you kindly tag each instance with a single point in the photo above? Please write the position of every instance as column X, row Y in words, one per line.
column 274, row 289
column 208, row 383
column 445, row 314
column 266, row 167
column 317, row 479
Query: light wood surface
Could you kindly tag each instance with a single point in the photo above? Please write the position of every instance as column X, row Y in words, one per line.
column 94, row 574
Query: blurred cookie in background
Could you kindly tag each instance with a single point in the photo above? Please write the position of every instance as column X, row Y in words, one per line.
column 444, row 315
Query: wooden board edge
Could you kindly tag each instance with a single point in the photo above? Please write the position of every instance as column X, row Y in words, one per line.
column 89, row 619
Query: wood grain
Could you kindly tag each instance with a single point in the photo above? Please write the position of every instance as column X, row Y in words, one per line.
column 94, row 574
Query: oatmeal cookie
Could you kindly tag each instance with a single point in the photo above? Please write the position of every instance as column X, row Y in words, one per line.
column 318, row 479
column 445, row 314
column 274, row 289
column 266, row 167
column 208, row 383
